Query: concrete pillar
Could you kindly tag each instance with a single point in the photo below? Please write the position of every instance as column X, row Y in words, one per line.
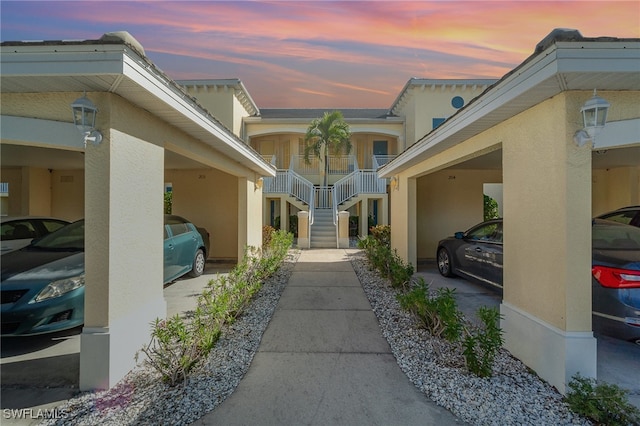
column 547, row 244
column 249, row 215
column 284, row 215
column 403, row 219
column 364, row 218
column 383, row 210
column 123, row 255
column 303, row 230
column 343, row 229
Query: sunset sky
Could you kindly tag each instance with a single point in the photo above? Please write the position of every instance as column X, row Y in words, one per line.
column 323, row 54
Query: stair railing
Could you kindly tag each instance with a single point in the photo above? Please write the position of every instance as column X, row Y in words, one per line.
column 335, row 217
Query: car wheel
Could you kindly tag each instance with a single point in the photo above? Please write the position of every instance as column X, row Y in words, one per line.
column 444, row 263
column 198, row 264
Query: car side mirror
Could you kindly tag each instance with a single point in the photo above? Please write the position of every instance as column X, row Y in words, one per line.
column 459, row 235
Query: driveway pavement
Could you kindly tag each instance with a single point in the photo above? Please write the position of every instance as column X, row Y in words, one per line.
column 618, row 361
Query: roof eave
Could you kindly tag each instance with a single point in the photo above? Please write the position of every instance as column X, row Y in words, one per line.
column 541, row 67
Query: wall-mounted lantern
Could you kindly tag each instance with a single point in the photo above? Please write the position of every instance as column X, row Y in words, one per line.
column 394, row 183
column 84, row 118
column 594, row 117
column 258, row 184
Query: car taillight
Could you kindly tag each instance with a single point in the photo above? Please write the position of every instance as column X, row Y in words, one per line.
column 616, row 277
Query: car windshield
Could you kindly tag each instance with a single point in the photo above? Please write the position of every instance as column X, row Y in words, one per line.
column 70, row 237
column 615, row 236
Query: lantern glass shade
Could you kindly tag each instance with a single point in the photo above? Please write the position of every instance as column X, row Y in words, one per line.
column 84, row 114
column 594, row 112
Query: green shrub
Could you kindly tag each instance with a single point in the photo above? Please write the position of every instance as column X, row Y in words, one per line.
column 267, row 232
column 437, row 312
column 178, row 344
column 604, row 403
column 382, row 233
column 481, row 344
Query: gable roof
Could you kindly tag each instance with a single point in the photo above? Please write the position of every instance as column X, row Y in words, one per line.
column 413, row 82
column 116, row 63
column 564, row 60
column 236, row 84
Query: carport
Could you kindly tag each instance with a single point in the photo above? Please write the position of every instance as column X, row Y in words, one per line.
column 153, row 133
column 520, row 132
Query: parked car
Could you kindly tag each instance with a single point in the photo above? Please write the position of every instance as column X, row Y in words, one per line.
column 42, row 284
column 477, row 255
column 17, row 232
column 627, row 215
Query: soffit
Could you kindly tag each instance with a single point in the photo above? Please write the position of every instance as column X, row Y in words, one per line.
column 118, row 69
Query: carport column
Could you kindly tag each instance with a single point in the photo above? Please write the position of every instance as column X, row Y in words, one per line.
column 249, row 215
column 123, row 250
column 547, row 244
column 403, row 219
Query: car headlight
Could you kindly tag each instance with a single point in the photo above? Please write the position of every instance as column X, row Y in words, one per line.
column 58, row 288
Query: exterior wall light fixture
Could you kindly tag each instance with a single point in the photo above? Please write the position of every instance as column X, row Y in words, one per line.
column 258, row 184
column 394, row 183
column 594, row 117
column 84, row 118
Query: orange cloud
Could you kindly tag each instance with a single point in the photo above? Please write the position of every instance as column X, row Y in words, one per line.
column 356, row 51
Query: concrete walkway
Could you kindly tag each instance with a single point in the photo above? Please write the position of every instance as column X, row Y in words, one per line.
column 323, row 360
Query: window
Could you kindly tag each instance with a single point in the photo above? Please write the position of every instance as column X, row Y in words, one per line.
column 489, row 232
column 18, row 230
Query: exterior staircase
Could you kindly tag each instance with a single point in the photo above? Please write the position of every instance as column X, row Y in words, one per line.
column 323, row 231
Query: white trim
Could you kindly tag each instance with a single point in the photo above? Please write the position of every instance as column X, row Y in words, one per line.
column 617, row 134
column 539, row 77
column 42, row 133
column 556, row 355
column 190, row 110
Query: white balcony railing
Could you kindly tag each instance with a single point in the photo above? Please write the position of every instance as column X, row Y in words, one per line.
column 361, row 181
column 338, row 165
column 288, row 182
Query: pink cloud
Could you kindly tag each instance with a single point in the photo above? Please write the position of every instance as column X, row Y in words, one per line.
column 356, row 50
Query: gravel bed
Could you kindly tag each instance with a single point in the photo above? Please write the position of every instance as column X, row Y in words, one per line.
column 141, row 398
column 513, row 396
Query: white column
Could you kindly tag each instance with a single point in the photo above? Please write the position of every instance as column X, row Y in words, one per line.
column 123, row 255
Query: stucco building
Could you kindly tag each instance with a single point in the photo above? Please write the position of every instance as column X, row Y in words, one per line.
column 421, row 165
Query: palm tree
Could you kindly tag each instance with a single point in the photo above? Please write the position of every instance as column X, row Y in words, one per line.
column 329, row 134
